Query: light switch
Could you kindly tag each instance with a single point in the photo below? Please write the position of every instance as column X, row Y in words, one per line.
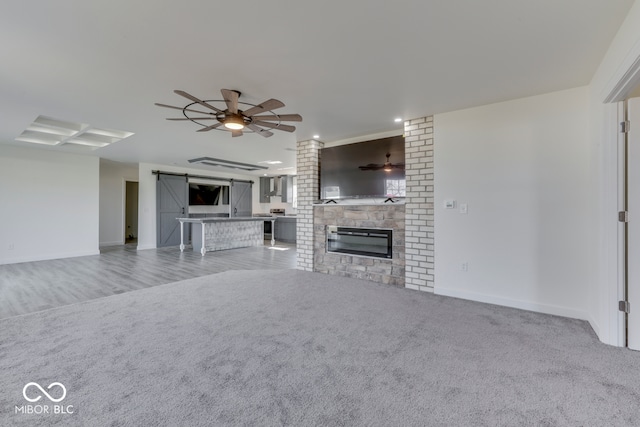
column 463, row 208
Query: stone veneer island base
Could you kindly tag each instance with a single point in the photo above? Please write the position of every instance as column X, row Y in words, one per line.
column 217, row 234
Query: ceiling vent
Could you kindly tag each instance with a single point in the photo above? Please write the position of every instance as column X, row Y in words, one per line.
column 210, row 161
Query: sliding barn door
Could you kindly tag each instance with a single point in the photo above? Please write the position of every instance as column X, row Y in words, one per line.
column 172, row 202
column 241, row 199
column 633, row 226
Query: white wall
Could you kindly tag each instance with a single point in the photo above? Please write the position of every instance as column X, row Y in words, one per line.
column 48, row 204
column 522, row 168
column 147, row 197
column 113, row 176
column 604, row 278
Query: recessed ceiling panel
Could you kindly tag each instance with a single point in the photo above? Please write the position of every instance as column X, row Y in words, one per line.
column 55, row 132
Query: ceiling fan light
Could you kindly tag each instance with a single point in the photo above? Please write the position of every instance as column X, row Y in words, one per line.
column 234, row 122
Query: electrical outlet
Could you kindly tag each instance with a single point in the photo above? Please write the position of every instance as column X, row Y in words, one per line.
column 11, row 246
column 464, row 266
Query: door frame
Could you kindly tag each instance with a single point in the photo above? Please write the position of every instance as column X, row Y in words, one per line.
column 124, row 206
column 612, row 233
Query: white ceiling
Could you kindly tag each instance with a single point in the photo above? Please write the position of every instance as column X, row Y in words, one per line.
column 349, row 67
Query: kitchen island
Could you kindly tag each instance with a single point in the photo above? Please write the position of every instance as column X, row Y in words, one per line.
column 217, row 234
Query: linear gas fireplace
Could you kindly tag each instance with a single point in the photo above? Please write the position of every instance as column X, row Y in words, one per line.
column 372, row 242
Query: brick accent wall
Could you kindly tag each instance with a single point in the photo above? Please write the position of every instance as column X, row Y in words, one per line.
column 387, row 271
column 419, row 216
column 308, row 169
column 416, row 269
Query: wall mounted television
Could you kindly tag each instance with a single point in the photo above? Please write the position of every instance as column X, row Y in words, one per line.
column 358, row 170
column 207, row 194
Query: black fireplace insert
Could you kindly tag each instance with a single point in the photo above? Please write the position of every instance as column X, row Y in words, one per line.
column 372, row 242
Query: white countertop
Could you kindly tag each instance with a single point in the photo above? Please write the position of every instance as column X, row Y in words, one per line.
column 221, row 219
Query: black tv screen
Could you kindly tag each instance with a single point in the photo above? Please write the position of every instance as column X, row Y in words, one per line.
column 365, row 169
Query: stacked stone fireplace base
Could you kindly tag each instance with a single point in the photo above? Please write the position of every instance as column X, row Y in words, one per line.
column 387, row 271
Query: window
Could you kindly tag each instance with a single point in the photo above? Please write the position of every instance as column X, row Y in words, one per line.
column 395, row 187
column 332, row 192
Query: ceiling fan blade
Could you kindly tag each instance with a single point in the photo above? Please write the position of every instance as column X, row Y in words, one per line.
column 182, row 109
column 259, row 130
column 193, row 118
column 370, row 167
column 268, row 105
column 279, row 126
column 235, row 133
column 199, row 101
column 281, row 117
column 209, row 127
column 231, row 99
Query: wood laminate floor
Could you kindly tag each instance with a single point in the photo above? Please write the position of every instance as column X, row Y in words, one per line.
column 34, row 286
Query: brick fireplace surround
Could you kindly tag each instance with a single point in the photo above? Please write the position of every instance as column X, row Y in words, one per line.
column 412, row 265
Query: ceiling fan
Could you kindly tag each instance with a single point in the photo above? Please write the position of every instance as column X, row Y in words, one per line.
column 229, row 116
column 387, row 166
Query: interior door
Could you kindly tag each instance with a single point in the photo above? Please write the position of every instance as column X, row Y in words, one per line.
column 241, row 199
column 171, row 202
column 633, row 226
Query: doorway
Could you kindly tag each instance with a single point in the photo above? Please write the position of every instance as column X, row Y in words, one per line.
column 131, row 212
column 613, row 298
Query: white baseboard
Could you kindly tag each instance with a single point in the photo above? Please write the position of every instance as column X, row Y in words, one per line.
column 17, row 260
column 144, row 247
column 507, row 302
column 119, row 243
column 594, row 325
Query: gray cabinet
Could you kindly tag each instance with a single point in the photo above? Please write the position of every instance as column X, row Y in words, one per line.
column 285, row 229
column 265, row 188
column 285, row 182
column 276, row 186
column 287, row 188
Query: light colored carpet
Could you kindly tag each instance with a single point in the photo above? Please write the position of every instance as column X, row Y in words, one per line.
column 296, row 348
